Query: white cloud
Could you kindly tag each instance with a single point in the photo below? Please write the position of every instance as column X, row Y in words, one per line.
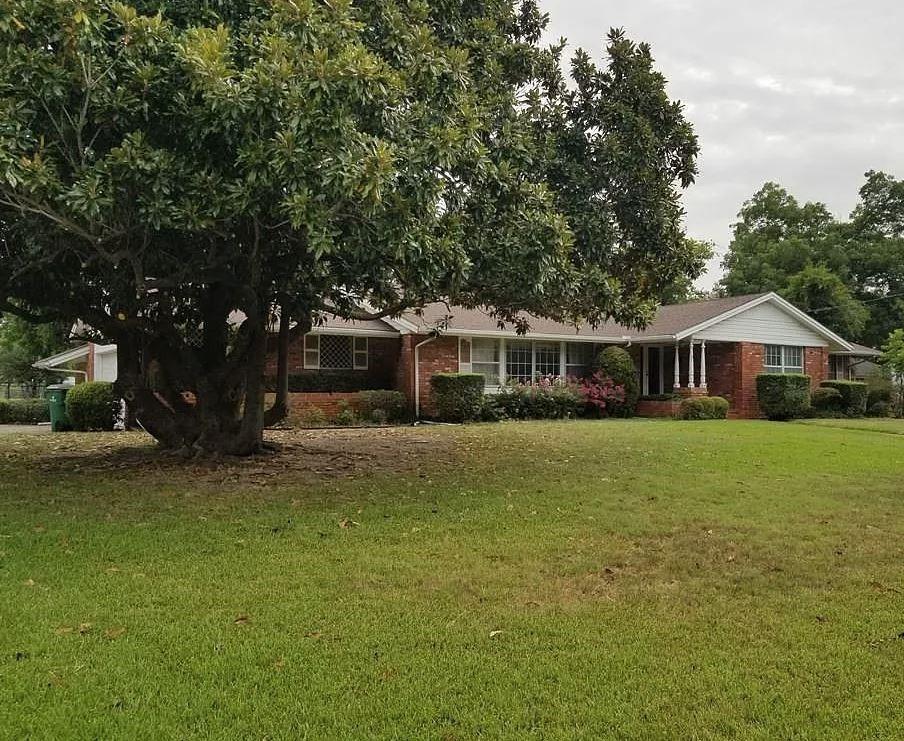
column 807, row 93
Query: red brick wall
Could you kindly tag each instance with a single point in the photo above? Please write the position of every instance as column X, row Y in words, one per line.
column 749, row 364
column 329, row 404
column 440, row 356
column 646, row 408
column 721, row 370
column 816, row 365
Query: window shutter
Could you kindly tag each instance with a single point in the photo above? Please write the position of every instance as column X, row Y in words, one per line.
column 361, row 353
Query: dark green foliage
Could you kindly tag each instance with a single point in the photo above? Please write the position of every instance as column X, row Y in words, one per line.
column 827, row 400
column 783, row 396
column 346, row 416
column 382, row 406
column 703, row 407
column 24, row 411
column 554, row 401
column 661, row 397
column 160, row 171
column 879, row 395
column 616, row 363
column 313, row 382
column 92, row 406
column 849, row 271
column 854, row 396
column 458, row 396
column 879, row 409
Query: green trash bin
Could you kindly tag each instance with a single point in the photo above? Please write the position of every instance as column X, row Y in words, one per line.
column 56, row 400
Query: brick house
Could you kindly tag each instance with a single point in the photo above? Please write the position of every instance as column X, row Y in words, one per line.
column 715, row 347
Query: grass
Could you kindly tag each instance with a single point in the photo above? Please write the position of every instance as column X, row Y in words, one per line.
column 886, row 425
column 562, row 580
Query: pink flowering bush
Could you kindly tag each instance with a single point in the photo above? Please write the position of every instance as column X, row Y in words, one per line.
column 599, row 391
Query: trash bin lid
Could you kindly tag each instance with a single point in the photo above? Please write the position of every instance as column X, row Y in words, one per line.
column 60, row 387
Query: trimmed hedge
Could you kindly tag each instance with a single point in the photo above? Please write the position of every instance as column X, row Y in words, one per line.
column 783, row 396
column 24, row 411
column 854, row 396
column 616, row 363
column 382, row 406
column 458, row 396
column 92, row 406
column 827, row 400
column 879, row 409
column 703, row 407
column 314, row 382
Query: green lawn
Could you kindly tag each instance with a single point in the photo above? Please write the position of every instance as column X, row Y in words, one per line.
column 562, row 580
column 888, row 426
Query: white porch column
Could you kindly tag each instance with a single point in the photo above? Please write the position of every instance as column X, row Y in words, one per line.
column 703, row 365
column 563, row 360
column 677, row 366
column 502, row 378
column 690, row 364
column 646, row 370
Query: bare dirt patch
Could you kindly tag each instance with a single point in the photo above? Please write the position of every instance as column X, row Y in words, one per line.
column 300, row 454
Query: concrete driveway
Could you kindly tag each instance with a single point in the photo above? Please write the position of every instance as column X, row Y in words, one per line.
column 24, row 429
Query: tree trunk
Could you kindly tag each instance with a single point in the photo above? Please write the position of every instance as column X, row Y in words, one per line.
column 280, row 409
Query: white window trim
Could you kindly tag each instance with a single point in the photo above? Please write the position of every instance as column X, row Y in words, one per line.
column 784, row 368
column 356, row 352
column 311, row 345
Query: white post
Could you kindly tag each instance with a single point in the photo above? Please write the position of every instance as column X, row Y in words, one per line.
column 677, row 366
column 646, row 370
column 502, row 378
column 690, row 364
column 563, row 360
column 703, row 365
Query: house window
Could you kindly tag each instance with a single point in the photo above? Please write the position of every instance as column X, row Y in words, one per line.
column 485, row 360
column 547, row 359
column 784, row 359
column 578, row 359
column 519, row 361
column 335, row 352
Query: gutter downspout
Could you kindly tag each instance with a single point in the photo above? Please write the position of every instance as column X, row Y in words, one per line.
column 417, row 376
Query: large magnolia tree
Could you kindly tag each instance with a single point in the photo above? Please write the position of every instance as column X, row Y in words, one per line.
column 165, row 166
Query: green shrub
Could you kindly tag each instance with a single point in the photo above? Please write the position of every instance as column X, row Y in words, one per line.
column 827, row 400
column 346, row 416
column 883, row 395
column 458, row 396
column 545, row 400
column 661, row 397
column 783, row 396
column 24, row 411
column 854, row 396
column 879, row 409
column 92, row 406
column 388, row 406
column 616, row 363
column 313, row 418
column 703, row 407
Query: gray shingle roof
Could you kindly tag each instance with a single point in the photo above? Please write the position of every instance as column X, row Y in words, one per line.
column 670, row 320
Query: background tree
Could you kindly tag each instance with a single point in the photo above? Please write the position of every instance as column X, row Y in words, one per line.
column 850, row 274
column 820, row 292
column 21, row 344
column 893, row 360
column 165, row 172
column 682, row 289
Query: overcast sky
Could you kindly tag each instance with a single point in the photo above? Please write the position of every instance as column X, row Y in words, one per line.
column 808, row 93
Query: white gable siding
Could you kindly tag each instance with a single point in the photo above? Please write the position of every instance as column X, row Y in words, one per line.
column 765, row 323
